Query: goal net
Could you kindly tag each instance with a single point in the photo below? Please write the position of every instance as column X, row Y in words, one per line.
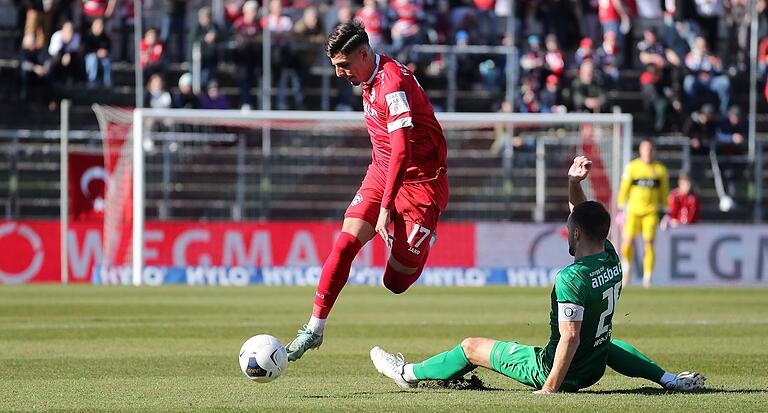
column 253, row 170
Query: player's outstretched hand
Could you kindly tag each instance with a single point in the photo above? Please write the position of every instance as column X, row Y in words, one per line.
column 382, row 226
column 544, row 391
column 580, row 169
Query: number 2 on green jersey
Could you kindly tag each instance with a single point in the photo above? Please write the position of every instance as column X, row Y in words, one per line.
column 612, row 295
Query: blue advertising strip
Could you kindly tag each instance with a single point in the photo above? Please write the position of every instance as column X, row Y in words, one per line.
column 276, row 276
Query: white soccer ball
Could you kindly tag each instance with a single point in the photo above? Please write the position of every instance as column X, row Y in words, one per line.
column 263, row 358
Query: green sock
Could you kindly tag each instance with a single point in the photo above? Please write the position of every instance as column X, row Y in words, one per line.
column 628, row 361
column 444, row 366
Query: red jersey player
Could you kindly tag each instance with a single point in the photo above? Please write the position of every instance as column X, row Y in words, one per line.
column 406, row 183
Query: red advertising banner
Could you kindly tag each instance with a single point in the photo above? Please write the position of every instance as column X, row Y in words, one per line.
column 32, row 252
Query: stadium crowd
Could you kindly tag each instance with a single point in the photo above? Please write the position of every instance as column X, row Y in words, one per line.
column 571, row 51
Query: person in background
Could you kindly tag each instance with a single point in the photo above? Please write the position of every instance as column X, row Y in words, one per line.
column 95, row 9
column 247, row 37
column 731, row 147
column 152, row 59
column 212, row 99
column 174, row 23
column 706, row 74
column 34, row 68
column 608, row 60
column 185, row 97
column 642, row 194
column 66, row 58
column 550, row 99
column 683, row 203
column 157, row 96
column 97, row 47
column 207, row 35
column 585, row 94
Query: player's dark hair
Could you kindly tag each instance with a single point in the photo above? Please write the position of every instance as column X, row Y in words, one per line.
column 346, row 38
column 592, row 219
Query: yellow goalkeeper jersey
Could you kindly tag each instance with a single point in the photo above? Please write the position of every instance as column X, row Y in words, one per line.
column 644, row 187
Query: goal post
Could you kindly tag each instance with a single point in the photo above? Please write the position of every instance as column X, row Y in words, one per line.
column 268, row 166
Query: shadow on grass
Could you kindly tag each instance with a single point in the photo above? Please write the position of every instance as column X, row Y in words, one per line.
column 655, row 391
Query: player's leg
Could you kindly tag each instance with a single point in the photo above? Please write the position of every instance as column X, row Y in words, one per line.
column 415, row 222
column 410, row 251
column 456, row 362
column 649, row 223
column 630, row 230
column 628, row 361
column 357, row 229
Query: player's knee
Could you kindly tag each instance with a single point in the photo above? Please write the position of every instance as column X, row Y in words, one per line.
column 398, row 282
column 347, row 245
column 470, row 345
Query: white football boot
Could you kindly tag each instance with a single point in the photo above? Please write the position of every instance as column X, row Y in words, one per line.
column 391, row 365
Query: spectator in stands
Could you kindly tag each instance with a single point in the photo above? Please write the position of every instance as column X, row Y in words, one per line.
column 731, row 140
column 206, row 35
column 174, row 24
column 247, row 37
column 95, row 9
column 708, row 13
column 700, row 128
column 35, row 16
column 590, row 22
column 233, row 11
column 442, row 25
column 554, row 61
column 34, row 67
column 97, row 49
column 762, row 57
column 550, row 98
column 375, row 21
column 157, row 96
column 532, row 61
column 308, row 39
column 185, row 97
column 608, row 60
column 284, row 59
column 66, row 58
column 738, row 21
column 653, row 52
column 558, row 17
column 655, row 99
column 528, row 100
column 585, row 94
column 614, row 17
column 152, row 54
column 212, row 99
column 683, row 203
column 126, row 18
column 523, row 147
column 706, row 75
column 585, row 51
column 405, row 30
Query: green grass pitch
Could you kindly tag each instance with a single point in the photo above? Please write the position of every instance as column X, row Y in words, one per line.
column 89, row 348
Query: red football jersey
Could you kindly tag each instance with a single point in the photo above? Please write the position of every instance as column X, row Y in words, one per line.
column 393, row 99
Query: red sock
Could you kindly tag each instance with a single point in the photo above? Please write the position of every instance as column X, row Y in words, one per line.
column 398, row 282
column 335, row 273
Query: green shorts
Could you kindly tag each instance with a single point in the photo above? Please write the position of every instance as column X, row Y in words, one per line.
column 519, row 362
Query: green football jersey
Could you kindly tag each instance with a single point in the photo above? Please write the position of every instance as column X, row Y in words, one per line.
column 586, row 291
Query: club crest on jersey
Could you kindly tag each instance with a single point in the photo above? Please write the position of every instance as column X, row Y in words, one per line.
column 372, row 94
column 357, row 199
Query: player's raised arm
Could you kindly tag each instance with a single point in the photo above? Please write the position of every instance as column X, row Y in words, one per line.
column 578, row 172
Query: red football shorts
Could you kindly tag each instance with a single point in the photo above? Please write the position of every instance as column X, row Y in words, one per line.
column 417, row 209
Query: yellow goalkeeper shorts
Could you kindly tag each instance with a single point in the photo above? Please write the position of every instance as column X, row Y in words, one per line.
column 634, row 223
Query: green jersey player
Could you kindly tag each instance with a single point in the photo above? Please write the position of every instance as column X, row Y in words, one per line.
column 583, row 301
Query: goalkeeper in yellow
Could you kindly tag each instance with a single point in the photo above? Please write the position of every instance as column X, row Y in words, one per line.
column 642, row 195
